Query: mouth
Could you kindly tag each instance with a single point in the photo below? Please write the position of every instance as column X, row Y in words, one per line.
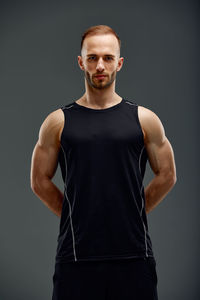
column 100, row 76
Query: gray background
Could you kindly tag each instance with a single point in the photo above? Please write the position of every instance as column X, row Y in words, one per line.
column 39, row 73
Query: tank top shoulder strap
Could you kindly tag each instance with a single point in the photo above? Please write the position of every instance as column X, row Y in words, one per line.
column 67, row 106
column 131, row 102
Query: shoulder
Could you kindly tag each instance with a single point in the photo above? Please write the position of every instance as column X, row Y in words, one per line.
column 147, row 116
column 151, row 124
column 52, row 126
column 54, row 119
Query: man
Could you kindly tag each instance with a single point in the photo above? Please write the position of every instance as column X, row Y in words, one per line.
column 102, row 143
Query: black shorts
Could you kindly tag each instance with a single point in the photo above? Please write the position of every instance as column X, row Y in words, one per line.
column 124, row 279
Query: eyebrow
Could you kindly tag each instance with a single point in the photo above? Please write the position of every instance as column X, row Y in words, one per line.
column 104, row 55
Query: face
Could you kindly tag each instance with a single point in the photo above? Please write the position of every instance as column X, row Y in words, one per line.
column 100, row 56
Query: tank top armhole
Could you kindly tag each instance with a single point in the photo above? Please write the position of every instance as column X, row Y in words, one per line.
column 63, row 108
column 139, row 124
column 144, row 157
column 65, row 111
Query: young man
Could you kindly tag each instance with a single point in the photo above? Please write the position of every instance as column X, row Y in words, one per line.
column 102, row 143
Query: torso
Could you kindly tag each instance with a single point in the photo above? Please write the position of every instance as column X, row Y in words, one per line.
column 105, row 191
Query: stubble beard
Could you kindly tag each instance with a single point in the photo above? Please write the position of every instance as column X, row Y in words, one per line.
column 101, row 84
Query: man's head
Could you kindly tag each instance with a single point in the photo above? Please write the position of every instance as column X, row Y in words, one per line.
column 100, row 54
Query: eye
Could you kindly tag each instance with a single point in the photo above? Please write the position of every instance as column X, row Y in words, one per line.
column 109, row 58
column 91, row 58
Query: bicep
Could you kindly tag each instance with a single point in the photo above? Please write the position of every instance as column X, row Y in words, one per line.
column 44, row 160
column 161, row 157
column 45, row 154
column 159, row 149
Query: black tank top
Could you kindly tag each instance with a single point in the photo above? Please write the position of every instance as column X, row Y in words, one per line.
column 102, row 159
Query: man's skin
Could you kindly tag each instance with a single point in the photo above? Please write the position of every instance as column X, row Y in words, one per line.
column 100, row 94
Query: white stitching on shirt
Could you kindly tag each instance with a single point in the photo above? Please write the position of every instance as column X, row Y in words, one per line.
column 131, row 103
column 65, row 191
column 142, row 201
column 63, row 107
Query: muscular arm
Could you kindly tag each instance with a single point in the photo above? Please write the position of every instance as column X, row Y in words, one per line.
column 160, row 156
column 45, row 161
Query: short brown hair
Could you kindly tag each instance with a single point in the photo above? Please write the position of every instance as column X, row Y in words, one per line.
column 99, row 29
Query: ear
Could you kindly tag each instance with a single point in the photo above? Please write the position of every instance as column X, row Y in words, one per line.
column 120, row 63
column 80, row 62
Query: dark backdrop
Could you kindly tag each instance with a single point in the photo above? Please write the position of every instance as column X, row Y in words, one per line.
column 39, row 73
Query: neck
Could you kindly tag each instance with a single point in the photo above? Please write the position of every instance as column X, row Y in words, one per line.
column 100, row 97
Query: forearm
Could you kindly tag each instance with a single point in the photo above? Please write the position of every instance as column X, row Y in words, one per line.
column 156, row 190
column 50, row 195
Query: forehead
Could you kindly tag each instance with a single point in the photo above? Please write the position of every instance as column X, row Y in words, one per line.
column 100, row 44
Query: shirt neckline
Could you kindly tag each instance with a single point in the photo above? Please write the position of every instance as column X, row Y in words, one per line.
column 100, row 109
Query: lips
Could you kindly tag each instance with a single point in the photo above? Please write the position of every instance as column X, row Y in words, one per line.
column 100, row 76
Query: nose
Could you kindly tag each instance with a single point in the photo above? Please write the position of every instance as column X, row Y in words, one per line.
column 100, row 66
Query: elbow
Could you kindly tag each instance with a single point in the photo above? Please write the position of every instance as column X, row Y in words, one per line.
column 33, row 186
column 39, row 183
column 171, row 178
column 168, row 177
column 174, row 178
